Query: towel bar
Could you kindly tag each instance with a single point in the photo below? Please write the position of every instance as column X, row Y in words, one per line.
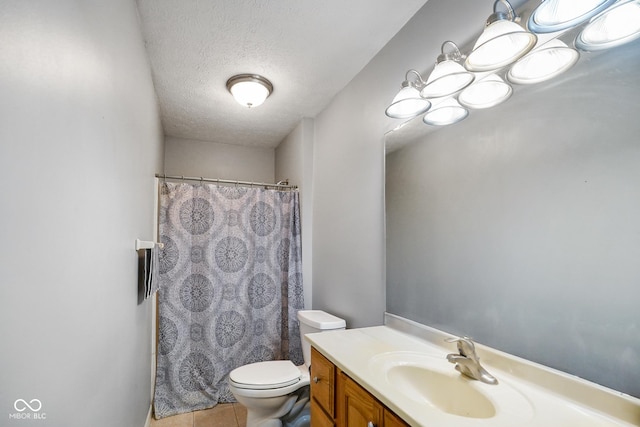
column 144, row 244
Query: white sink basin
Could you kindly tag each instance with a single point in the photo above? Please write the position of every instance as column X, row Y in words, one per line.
column 434, row 382
column 449, row 393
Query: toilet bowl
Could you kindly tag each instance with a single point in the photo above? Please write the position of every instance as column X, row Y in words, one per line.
column 276, row 393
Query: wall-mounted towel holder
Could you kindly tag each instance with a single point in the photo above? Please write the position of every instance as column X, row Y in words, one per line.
column 145, row 244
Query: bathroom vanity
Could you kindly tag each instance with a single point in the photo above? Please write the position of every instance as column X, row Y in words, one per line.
column 337, row 400
column 398, row 375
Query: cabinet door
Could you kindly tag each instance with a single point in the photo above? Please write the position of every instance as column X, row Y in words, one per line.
column 318, row 417
column 392, row 420
column 322, row 381
column 357, row 408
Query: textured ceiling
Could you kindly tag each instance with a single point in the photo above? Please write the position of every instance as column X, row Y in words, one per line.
column 308, row 49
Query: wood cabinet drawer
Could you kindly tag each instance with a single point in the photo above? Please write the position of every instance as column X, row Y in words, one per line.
column 323, row 382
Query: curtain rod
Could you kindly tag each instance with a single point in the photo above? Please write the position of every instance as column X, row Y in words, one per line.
column 282, row 185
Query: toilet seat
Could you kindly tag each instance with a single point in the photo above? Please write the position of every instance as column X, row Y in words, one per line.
column 266, row 375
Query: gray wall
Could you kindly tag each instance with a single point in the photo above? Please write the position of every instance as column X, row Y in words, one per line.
column 80, row 141
column 520, row 226
column 209, row 159
column 294, row 161
column 348, row 168
column 348, row 219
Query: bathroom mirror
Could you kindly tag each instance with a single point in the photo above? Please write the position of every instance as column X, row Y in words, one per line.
column 520, row 226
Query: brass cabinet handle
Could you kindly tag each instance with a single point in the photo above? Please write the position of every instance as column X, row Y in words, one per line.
column 316, row 380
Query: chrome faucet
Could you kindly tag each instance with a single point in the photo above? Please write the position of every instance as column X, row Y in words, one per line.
column 467, row 361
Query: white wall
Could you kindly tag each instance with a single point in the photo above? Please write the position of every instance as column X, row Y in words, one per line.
column 80, row 141
column 294, row 161
column 208, row 159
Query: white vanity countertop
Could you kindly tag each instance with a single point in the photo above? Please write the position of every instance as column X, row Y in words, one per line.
column 528, row 394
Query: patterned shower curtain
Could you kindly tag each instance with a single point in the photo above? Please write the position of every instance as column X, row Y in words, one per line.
column 230, row 288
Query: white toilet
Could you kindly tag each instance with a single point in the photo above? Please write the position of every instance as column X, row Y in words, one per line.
column 276, row 393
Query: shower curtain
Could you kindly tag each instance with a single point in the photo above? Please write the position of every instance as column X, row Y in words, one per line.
column 230, row 288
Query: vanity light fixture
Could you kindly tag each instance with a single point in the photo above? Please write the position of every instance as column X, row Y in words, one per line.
column 250, row 90
column 618, row 25
column 486, row 93
column 505, row 49
column 447, row 112
column 408, row 103
column 552, row 59
column 502, row 42
column 558, row 15
column 448, row 76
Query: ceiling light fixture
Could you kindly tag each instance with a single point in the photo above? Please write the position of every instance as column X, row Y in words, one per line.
column 447, row 112
column 448, row 76
column 502, row 42
column 558, row 15
column 486, row 93
column 552, row 59
column 408, row 103
column 250, row 90
column 618, row 25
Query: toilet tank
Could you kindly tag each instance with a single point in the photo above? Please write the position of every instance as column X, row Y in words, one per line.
column 316, row 321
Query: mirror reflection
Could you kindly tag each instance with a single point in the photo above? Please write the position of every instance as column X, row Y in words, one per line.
column 519, row 225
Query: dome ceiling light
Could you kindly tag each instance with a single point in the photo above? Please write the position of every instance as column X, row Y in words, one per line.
column 250, row 90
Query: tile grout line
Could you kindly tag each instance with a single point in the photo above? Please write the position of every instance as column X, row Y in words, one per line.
column 235, row 413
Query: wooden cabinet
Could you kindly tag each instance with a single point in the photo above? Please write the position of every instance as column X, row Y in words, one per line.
column 392, row 420
column 323, row 381
column 356, row 407
column 339, row 401
column 319, row 418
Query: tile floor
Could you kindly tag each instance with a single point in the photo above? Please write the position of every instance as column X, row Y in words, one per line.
column 222, row 415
